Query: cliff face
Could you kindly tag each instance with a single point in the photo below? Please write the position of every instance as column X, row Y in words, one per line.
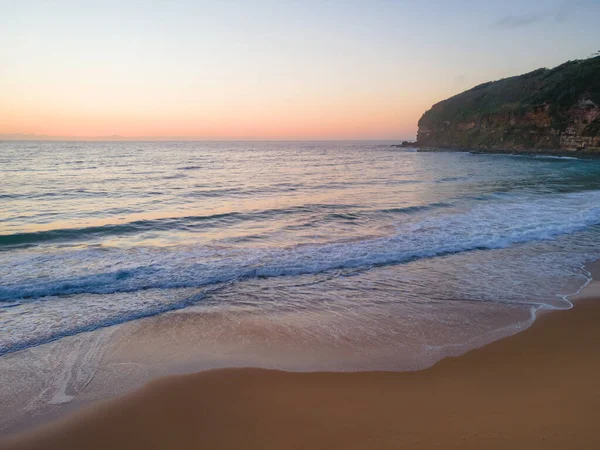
column 553, row 110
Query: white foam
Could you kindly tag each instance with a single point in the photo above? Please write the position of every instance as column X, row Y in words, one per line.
column 506, row 221
column 491, row 225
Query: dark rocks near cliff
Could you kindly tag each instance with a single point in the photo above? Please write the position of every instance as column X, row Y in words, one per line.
column 548, row 109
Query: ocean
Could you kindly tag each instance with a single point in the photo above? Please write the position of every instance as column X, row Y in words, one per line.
column 121, row 261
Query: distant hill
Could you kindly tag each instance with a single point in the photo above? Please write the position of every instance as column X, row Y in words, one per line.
column 547, row 109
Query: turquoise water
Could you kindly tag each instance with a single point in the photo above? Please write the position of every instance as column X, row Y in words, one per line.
column 350, row 255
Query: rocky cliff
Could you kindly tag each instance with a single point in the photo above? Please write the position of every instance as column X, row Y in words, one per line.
column 548, row 109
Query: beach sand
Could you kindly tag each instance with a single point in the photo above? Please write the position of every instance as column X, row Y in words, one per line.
column 537, row 389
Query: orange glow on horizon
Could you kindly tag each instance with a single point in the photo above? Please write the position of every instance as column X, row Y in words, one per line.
column 261, row 70
column 246, row 121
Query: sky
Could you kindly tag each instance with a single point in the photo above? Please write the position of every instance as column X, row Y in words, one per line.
column 266, row 70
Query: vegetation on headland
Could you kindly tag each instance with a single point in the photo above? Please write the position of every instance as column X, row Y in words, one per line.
column 554, row 109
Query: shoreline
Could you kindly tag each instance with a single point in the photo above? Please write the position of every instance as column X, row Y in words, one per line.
column 534, row 389
column 576, row 154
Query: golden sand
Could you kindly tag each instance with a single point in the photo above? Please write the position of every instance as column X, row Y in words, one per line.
column 539, row 389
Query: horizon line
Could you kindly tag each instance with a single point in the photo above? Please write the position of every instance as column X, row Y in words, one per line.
column 42, row 138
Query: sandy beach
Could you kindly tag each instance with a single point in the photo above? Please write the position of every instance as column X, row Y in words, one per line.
column 536, row 389
column 299, row 225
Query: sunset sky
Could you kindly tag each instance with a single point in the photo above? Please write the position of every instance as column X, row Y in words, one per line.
column 280, row 69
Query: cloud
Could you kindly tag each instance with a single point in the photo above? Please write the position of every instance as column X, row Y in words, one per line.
column 558, row 15
column 566, row 10
column 511, row 22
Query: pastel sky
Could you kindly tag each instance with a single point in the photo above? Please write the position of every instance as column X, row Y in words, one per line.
column 328, row 69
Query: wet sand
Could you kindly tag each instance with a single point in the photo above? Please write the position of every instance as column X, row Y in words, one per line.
column 537, row 389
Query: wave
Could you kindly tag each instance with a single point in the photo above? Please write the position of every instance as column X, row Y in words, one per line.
column 160, row 224
column 189, row 168
column 104, row 230
column 485, row 226
column 95, row 322
column 416, row 208
column 558, row 157
column 65, row 193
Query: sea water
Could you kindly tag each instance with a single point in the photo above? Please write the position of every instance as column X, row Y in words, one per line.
column 290, row 255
